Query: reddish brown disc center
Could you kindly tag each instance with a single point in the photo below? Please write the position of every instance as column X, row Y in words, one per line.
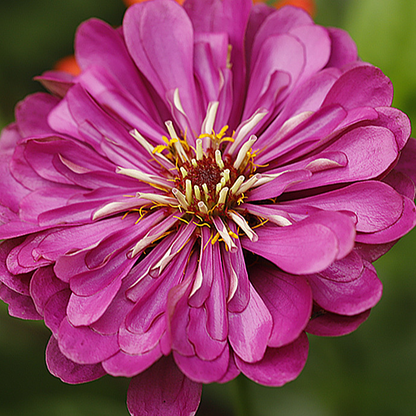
column 207, row 172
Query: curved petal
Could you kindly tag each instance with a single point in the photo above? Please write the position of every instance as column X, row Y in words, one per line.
column 203, row 371
column 287, row 297
column 159, row 37
column 126, row 365
column 327, row 324
column 311, row 244
column 279, row 365
column 249, row 331
column 20, row 306
column 85, row 346
column 98, row 44
column 347, row 298
column 68, row 371
column 163, row 390
column 343, row 48
column 376, row 205
column 362, row 86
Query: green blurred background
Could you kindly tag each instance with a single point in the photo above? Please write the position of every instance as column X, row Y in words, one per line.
column 370, row 372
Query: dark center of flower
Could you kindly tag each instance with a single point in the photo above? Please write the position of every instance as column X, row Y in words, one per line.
column 205, row 172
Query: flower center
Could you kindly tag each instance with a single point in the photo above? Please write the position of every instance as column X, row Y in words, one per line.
column 205, row 183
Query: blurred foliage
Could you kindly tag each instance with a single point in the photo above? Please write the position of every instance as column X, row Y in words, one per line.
column 370, row 372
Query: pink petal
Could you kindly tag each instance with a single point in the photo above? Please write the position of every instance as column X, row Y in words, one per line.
column 31, row 114
column 206, row 348
column 287, row 297
column 98, row 44
column 232, row 372
column 217, row 322
column 279, row 365
column 376, row 205
column 18, row 283
column 157, row 34
column 277, row 186
column 327, row 324
column 347, row 298
column 281, row 21
column 84, row 310
column 362, row 86
column 403, row 225
column 43, row 285
column 20, row 306
column 231, row 17
column 56, row 82
column 235, row 272
column 317, row 44
column 11, row 191
column 163, row 390
column 141, row 343
column 67, row 370
column 55, row 310
column 370, row 152
column 343, row 48
column 407, row 158
column 126, row 365
column 177, row 317
column 203, row 371
column 85, row 346
column 311, row 244
column 250, row 330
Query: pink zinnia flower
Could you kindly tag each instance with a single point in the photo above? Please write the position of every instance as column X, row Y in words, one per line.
column 216, row 182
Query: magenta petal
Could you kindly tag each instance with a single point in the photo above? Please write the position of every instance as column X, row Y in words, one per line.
column 279, row 365
column 347, row 298
column 126, row 365
column 362, row 86
column 343, row 48
column 281, row 21
column 152, row 42
column 407, row 158
column 43, row 285
column 85, row 346
column 177, row 317
column 203, row 371
column 55, row 310
column 235, row 271
column 287, row 297
column 206, row 348
column 231, row 17
column 11, row 191
column 163, row 390
column 320, row 239
column 232, row 372
column 376, row 205
column 31, row 114
column 84, row 310
column 98, row 44
column 68, row 371
column 327, row 324
column 217, row 323
column 18, row 283
column 137, row 344
column 20, row 306
column 57, row 82
column 403, row 225
column 277, row 186
column 249, row 331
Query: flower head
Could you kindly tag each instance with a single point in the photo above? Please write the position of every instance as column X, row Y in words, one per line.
column 214, row 183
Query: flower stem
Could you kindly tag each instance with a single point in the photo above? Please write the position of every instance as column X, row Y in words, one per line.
column 241, row 396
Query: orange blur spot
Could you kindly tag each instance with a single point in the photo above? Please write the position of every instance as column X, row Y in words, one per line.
column 68, row 64
column 308, row 5
column 130, row 2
